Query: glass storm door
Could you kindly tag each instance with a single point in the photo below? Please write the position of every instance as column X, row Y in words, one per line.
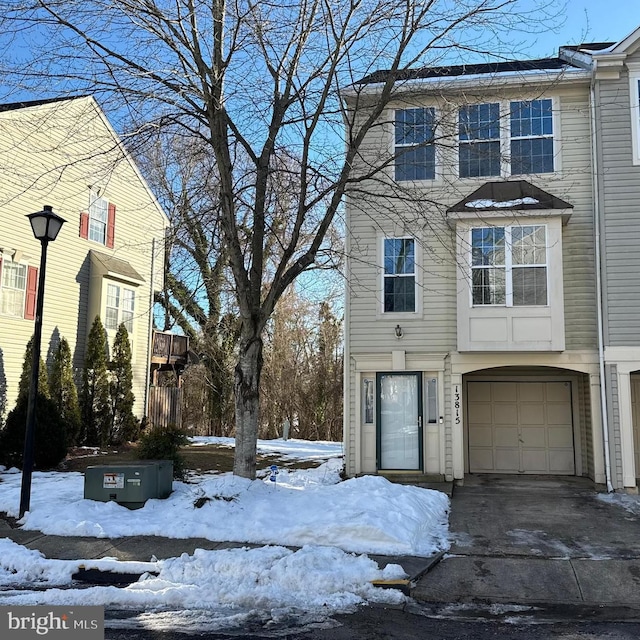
column 399, row 421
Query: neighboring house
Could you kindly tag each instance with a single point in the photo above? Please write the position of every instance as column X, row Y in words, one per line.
column 107, row 260
column 475, row 341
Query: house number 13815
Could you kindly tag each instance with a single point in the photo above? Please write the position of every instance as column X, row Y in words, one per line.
column 456, row 403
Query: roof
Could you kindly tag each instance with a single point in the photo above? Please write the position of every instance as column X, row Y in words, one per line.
column 588, row 47
column 508, row 195
column 115, row 267
column 488, row 68
column 13, row 106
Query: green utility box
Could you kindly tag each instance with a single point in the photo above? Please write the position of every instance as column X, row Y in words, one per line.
column 129, row 484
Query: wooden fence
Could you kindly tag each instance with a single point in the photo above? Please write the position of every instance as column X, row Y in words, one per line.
column 165, row 406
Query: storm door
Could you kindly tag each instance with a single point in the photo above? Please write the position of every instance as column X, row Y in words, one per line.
column 399, row 421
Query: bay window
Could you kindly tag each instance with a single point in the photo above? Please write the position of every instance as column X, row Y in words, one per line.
column 509, row 265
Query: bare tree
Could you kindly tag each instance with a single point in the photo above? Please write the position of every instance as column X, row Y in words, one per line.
column 259, row 82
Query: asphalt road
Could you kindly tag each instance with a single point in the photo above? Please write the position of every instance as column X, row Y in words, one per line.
column 416, row 622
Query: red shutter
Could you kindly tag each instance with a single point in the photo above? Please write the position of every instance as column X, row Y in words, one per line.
column 32, row 289
column 111, row 225
column 84, row 225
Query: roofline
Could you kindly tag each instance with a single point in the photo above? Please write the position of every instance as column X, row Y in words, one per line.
column 478, row 81
column 26, row 104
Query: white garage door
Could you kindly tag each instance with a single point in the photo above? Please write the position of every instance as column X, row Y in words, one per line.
column 520, row 427
column 635, row 413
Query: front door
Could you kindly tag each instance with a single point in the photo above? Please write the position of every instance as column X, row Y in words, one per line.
column 399, row 421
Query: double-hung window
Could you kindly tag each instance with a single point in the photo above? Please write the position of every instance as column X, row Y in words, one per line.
column 531, row 137
column 13, row 288
column 509, row 265
column 634, row 94
column 524, row 144
column 98, row 217
column 99, row 221
column 479, row 139
column 415, row 151
column 399, row 275
column 120, row 307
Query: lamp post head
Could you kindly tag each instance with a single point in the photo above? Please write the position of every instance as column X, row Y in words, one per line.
column 45, row 224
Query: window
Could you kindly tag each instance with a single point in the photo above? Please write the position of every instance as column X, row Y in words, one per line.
column 399, row 275
column 634, row 94
column 13, row 288
column 415, row 152
column 509, row 265
column 531, row 137
column 479, row 133
column 98, row 218
column 119, row 308
column 18, row 288
column 98, row 223
column 526, row 143
column 368, row 392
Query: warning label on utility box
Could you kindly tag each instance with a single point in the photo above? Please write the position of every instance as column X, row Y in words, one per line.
column 113, row 481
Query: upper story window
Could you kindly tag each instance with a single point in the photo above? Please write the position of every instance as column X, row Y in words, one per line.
column 532, row 137
column 634, row 94
column 479, row 134
column 98, row 223
column 120, row 307
column 399, row 275
column 98, row 217
column 509, row 265
column 522, row 145
column 415, row 152
column 18, row 284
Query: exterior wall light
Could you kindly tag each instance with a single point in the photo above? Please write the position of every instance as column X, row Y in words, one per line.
column 399, row 332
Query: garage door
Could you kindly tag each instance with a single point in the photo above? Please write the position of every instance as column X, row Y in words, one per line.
column 520, row 427
column 635, row 414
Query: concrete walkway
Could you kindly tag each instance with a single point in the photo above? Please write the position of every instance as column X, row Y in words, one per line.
column 536, row 540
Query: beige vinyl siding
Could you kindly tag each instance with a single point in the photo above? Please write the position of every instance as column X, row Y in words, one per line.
column 51, row 154
column 371, row 217
column 615, row 444
column 620, row 190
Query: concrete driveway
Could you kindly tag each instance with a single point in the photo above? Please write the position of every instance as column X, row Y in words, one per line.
column 536, row 539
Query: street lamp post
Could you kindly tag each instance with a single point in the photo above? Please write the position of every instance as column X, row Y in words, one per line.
column 45, row 225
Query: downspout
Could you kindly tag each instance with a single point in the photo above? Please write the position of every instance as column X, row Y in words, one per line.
column 147, row 376
column 599, row 305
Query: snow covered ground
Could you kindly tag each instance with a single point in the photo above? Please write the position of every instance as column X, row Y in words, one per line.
column 334, row 523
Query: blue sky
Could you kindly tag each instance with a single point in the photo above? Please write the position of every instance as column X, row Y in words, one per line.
column 587, row 21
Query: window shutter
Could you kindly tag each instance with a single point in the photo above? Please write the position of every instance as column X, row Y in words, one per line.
column 111, row 225
column 84, row 225
column 32, row 288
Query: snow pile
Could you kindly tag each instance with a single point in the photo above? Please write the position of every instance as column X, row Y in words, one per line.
column 361, row 515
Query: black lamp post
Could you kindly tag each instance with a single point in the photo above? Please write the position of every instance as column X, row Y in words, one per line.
column 45, row 225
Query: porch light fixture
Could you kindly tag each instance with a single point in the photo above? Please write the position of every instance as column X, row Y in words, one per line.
column 45, row 225
column 399, row 332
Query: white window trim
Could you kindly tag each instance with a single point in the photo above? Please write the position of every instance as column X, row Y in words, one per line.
column 439, row 158
column 508, row 266
column 634, row 100
column 400, row 315
column 9, row 257
column 122, row 286
column 93, row 198
column 505, row 138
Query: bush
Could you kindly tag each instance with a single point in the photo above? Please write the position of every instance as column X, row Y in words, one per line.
column 163, row 443
column 50, row 446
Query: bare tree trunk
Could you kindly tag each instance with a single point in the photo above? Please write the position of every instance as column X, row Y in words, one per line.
column 247, row 399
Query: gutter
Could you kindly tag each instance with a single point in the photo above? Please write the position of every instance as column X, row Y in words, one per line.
column 476, row 81
column 599, row 303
